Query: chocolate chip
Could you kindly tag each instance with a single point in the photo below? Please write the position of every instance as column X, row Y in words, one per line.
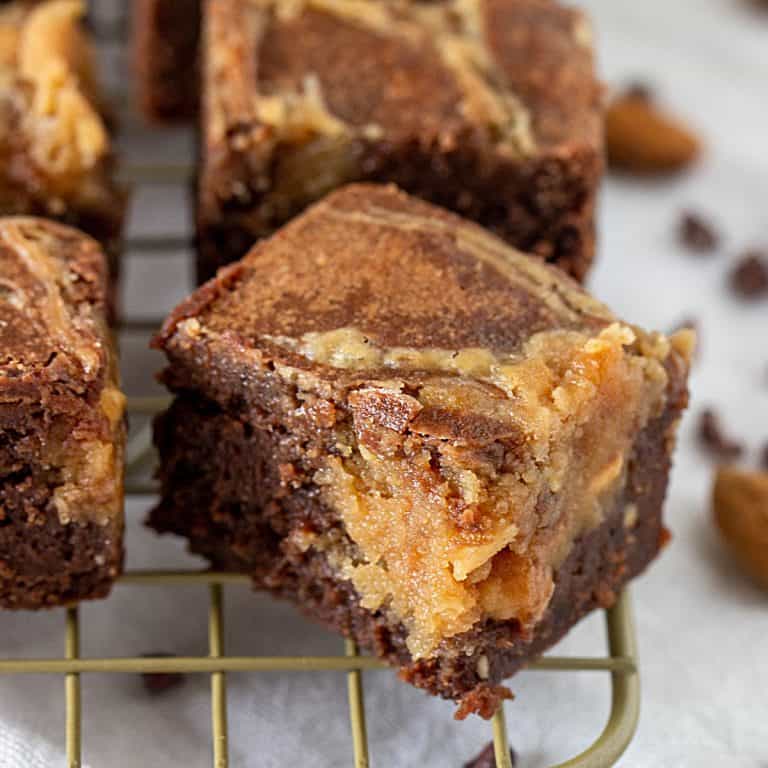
column 712, row 438
column 688, row 322
column 697, row 233
column 487, row 758
column 764, row 457
column 639, row 89
column 158, row 683
column 749, row 279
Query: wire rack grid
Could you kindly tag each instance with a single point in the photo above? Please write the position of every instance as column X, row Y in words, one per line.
column 621, row 661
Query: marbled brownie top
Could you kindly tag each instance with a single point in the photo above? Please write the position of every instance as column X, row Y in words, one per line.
column 402, row 272
column 519, row 74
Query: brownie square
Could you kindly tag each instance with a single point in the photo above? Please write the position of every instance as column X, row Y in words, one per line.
column 489, row 108
column 434, row 443
column 61, row 419
column 165, row 40
column 56, row 157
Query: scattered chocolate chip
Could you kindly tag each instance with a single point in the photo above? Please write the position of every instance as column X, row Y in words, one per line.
column 749, row 279
column 697, row 233
column 712, row 438
column 639, row 89
column 158, row 683
column 487, row 758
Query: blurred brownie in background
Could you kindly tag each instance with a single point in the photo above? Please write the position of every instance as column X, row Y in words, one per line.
column 55, row 151
column 489, row 108
column 61, row 419
column 165, row 49
column 436, row 444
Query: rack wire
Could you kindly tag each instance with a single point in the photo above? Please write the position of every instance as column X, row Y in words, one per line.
column 620, row 662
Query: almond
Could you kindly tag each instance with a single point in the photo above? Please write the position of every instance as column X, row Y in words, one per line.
column 643, row 140
column 741, row 513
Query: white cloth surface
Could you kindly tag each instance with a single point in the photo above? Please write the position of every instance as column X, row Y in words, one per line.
column 703, row 628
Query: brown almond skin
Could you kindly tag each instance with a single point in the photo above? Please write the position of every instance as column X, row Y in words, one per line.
column 641, row 139
column 741, row 513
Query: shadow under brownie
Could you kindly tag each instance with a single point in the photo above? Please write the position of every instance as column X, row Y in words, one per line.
column 432, row 442
column 489, row 108
column 61, row 419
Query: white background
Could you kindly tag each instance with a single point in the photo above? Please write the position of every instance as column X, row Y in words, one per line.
column 703, row 629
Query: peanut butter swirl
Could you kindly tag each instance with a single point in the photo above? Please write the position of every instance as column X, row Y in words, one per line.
column 48, row 76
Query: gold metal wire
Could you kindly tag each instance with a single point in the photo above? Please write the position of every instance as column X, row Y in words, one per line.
column 356, row 709
column 72, row 690
column 218, row 679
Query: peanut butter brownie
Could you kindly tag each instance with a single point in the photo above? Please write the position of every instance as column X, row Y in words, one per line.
column 61, row 419
column 165, row 50
column 430, row 441
column 487, row 107
column 55, row 153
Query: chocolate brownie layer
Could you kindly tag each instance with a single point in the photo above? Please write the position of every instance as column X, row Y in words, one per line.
column 489, row 108
column 61, row 419
column 165, row 48
column 387, row 414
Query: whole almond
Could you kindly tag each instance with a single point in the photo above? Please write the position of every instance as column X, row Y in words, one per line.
column 741, row 513
column 643, row 140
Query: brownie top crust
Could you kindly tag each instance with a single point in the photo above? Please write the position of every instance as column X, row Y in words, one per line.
column 408, row 274
column 518, row 72
column 469, row 410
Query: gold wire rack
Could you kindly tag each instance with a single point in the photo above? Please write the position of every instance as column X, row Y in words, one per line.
column 620, row 662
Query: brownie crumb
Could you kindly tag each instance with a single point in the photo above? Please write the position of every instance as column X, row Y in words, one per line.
column 712, row 438
column 749, row 279
column 697, row 233
column 689, row 323
column 487, row 758
column 158, row 683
